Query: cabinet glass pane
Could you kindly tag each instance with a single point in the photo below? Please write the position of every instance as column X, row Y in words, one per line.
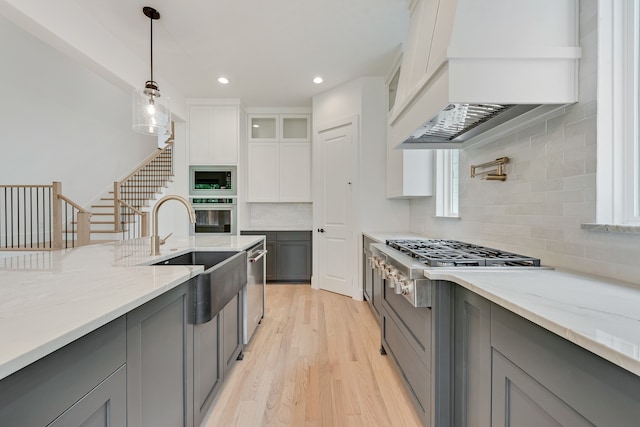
column 294, row 127
column 263, row 127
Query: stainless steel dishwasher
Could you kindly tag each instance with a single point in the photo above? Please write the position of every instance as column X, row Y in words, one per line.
column 254, row 295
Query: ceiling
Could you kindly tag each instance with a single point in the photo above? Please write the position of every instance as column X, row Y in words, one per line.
column 269, row 49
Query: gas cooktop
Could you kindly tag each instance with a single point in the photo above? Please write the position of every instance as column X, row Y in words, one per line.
column 452, row 253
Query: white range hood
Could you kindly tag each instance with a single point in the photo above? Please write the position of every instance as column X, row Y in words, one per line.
column 472, row 67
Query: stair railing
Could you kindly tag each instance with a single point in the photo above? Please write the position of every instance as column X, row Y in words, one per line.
column 133, row 193
column 40, row 217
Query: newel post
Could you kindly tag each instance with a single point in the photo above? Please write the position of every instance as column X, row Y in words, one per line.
column 84, row 228
column 56, row 215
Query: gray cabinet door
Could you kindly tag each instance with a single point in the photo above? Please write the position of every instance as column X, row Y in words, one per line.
column 294, row 260
column 160, row 362
column 39, row 393
column 519, row 400
column 367, row 278
column 207, row 366
column 406, row 336
column 472, row 367
column 272, row 260
column 232, row 332
column 542, row 379
column 104, row 406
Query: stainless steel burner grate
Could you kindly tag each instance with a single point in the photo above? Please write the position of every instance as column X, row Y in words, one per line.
column 452, row 253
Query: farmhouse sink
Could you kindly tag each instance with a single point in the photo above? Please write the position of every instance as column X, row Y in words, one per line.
column 224, row 275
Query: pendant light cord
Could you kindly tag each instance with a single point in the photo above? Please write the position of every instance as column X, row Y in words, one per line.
column 151, row 47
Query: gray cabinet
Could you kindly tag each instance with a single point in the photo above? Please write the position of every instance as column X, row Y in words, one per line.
column 232, row 332
column 288, row 255
column 104, row 406
column 150, row 367
column 83, row 383
column 216, row 346
column 406, row 337
column 541, row 379
column 160, row 362
column 373, row 283
column 472, row 367
column 207, row 366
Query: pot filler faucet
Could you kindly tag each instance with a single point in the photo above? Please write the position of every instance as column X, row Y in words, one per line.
column 156, row 241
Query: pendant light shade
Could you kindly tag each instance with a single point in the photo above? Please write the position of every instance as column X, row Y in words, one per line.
column 151, row 115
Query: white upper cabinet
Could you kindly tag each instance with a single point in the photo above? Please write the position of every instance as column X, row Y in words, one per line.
column 279, row 127
column 279, row 158
column 263, row 128
column 263, row 168
column 295, row 127
column 213, row 134
column 295, row 172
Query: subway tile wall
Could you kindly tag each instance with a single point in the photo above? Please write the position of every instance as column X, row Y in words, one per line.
column 549, row 192
column 279, row 216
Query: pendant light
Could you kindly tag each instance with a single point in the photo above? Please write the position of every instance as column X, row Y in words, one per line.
column 151, row 116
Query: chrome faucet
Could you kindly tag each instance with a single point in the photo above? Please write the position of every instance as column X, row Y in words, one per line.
column 156, row 241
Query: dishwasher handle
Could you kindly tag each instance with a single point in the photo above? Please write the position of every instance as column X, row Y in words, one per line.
column 262, row 253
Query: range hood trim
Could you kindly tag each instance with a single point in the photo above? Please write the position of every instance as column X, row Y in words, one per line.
column 522, row 121
column 474, row 74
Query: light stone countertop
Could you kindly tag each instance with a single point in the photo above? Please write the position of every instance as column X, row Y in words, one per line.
column 600, row 315
column 382, row 236
column 50, row 299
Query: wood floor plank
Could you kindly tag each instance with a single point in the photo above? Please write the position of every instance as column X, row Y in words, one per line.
column 314, row 361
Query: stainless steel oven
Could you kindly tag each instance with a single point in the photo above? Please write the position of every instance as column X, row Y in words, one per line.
column 214, row 215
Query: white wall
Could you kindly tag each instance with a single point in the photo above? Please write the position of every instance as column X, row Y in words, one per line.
column 62, row 122
column 549, row 192
column 366, row 98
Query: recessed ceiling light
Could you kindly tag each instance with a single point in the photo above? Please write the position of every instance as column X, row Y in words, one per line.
column 317, row 80
column 223, row 80
column 256, row 126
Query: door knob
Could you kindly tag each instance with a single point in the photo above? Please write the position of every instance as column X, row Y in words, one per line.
column 320, row 230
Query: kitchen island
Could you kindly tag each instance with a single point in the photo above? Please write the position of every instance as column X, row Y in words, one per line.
column 74, row 318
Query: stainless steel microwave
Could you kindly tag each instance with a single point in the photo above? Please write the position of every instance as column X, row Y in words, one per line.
column 213, row 181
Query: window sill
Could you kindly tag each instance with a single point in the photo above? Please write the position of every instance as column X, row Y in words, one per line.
column 457, row 218
column 611, row 228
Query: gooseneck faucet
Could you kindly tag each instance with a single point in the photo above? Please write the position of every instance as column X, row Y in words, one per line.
column 156, row 241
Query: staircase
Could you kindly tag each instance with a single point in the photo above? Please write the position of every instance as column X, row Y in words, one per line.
column 122, row 213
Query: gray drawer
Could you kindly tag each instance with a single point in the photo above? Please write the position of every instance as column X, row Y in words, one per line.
column 270, row 235
column 294, row 235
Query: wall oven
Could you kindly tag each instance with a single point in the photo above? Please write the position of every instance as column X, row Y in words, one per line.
column 214, row 215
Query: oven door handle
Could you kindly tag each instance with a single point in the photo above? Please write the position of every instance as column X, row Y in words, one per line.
column 263, row 252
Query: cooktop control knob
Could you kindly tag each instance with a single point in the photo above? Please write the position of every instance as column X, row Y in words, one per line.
column 398, row 285
column 407, row 287
column 372, row 262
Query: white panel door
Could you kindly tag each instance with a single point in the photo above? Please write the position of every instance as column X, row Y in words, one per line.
column 295, row 172
column 336, row 258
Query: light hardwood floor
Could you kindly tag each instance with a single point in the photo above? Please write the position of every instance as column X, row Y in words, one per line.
column 314, row 361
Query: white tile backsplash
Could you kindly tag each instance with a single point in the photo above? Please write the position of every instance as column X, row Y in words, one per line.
column 549, row 192
column 281, row 216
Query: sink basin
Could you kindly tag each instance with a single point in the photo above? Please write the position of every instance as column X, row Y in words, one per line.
column 224, row 275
